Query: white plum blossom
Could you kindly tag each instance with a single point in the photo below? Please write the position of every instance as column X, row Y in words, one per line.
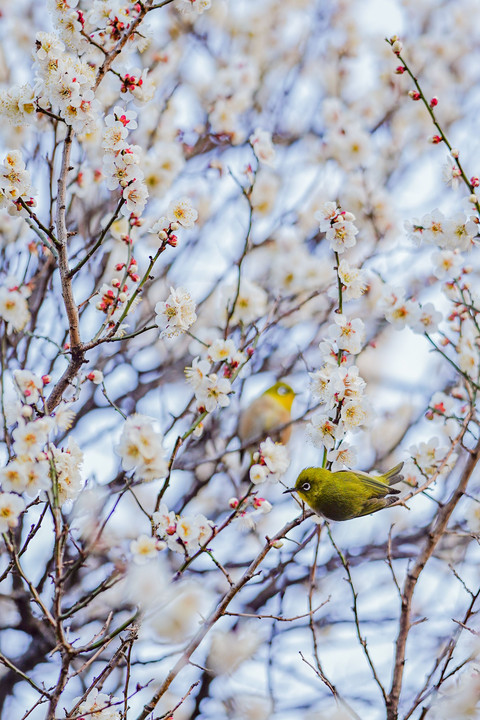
column 399, row 311
column 326, row 215
column 197, row 372
column 11, row 505
column 141, row 449
column 258, row 473
column 429, row 455
column 459, row 233
column 17, row 104
column 459, row 699
column 341, row 234
column 30, row 438
column 15, row 184
column 265, row 191
column 145, row 548
column 353, row 279
column 181, row 533
column 274, row 457
column 468, row 350
column 451, row 172
column 182, row 212
column 213, row 392
column 221, row 350
column 29, row 386
column 353, row 414
column 13, row 308
column 342, row 457
column 67, row 464
column 348, row 334
column 177, row 314
column 447, row 262
column 426, row 320
column 323, row 432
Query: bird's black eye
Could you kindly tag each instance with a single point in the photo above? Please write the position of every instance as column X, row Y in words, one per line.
column 306, row 486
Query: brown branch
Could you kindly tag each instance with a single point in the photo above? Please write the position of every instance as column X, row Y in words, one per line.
column 437, row 529
column 215, row 615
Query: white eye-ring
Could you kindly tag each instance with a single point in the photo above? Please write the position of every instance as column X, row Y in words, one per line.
column 306, row 486
column 282, row 390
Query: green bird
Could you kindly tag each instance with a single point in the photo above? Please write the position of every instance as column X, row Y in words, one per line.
column 346, row 494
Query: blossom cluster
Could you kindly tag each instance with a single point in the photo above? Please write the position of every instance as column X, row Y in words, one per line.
column 64, row 84
column 182, row 533
column 270, row 462
column 211, row 390
column 98, row 705
column 141, row 449
column 337, row 385
column 122, row 161
column 176, row 314
column 15, row 184
column 37, row 464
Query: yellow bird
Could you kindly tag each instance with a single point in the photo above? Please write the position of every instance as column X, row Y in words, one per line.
column 268, row 413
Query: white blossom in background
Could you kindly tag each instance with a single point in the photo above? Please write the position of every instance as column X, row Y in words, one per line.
column 141, row 449
column 430, row 455
column 177, row 314
column 261, row 142
column 145, row 548
column 188, row 602
column 29, row 386
column 246, row 640
column 11, row 505
column 13, row 308
column 251, row 301
column 99, row 706
column 459, row 699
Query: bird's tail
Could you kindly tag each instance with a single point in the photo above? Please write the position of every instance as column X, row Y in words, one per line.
column 392, row 477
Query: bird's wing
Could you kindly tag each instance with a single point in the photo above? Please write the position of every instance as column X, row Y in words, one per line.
column 367, row 480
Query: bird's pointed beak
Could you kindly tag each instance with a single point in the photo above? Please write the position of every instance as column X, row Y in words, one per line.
column 289, row 490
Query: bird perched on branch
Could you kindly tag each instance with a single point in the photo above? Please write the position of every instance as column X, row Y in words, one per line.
column 268, row 413
column 346, row 494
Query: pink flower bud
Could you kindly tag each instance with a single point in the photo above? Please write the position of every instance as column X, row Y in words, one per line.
column 46, row 379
